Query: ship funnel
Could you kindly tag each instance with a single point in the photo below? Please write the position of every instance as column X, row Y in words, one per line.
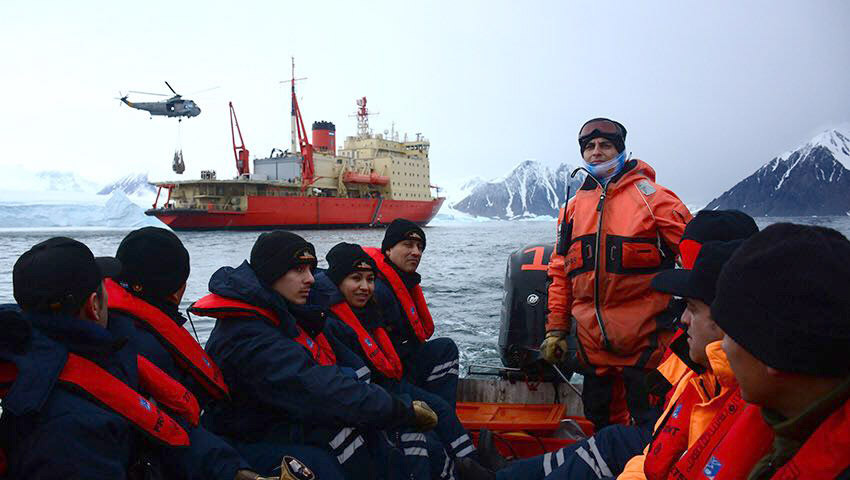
column 324, row 137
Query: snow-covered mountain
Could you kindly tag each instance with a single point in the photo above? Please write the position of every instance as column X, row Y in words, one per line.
column 132, row 184
column 530, row 190
column 812, row 179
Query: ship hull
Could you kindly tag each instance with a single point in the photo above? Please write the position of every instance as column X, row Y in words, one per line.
column 267, row 213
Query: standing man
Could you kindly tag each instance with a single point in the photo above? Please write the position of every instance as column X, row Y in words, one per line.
column 619, row 230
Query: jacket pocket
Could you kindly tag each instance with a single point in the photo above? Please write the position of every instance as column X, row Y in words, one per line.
column 635, row 255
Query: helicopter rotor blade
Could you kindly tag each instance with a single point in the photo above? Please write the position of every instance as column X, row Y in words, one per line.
column 149, row 93
column 172, row 90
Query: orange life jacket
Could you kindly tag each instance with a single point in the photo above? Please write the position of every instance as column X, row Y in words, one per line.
column 85, row 377
column 671, row 439
column 824, row 456
column 188, row 353
column 216, row 306
column 612, row 242
column 377, row 346
column 412, row 301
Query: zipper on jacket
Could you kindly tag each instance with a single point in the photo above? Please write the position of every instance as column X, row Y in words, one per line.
column 600, row 207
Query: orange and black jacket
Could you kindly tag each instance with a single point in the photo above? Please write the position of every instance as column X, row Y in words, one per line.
column 611, row 241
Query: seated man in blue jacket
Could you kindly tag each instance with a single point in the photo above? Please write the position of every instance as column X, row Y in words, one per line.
column 429, row 364
column 147, row 294
column 79, row 401
column 290, row 382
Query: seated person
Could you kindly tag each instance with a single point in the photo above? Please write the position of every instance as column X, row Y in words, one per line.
column 783, row 303
column 429, row 364
column 290, row 382
column 347, row 287
column 79, row 400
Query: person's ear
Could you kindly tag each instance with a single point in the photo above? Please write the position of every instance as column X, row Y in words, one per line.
column 91, row 308
column 177, row 296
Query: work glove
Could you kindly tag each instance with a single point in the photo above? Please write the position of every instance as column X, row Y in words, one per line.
column 554, row 346
column 424, row 418
column 290, row 469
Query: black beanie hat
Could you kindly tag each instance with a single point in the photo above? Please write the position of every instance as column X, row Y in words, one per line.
column 399, row 230
column 154, row 261
column 784, row 296
column 618, row 139
column 275, row 253
column 345, row 258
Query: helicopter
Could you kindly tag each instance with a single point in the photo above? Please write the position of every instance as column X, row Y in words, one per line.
column 175, row 106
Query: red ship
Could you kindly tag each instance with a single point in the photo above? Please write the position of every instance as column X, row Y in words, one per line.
column 369, row 182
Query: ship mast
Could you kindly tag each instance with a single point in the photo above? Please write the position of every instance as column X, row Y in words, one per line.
column 300, row 132
column 294, row 131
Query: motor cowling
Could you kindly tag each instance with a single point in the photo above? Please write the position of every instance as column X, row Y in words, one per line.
column 524, row 305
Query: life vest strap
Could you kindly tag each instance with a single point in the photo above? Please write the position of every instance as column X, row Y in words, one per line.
column 377, row 346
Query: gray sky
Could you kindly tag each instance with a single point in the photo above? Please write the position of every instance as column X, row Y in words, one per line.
column 709, row 91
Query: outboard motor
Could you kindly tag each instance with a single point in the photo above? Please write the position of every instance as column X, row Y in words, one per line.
column 523, row 320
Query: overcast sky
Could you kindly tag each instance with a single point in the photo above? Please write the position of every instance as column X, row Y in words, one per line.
column 709, row 91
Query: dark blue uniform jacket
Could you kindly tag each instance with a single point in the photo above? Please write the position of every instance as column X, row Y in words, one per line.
column 279, row 391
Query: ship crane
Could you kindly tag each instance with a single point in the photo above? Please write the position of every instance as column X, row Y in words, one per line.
column 240, row 153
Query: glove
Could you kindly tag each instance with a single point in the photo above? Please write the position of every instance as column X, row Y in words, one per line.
column 554, row 346
column 290, row 469
column 293, row 469
column 424, row 418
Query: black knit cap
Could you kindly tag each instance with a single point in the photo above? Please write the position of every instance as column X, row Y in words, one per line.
column 618, row 139
column 275, row 253
column 58, row 274
column 784, row 296
column 700, row 282
column 346, row 258
column 155, row 262
column 400, row 230
column 719, row 225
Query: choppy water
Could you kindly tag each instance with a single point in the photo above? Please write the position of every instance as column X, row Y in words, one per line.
column 463, row 267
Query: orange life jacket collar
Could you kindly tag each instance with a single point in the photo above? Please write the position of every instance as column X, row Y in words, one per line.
column 412, row 300
column 189, row 355
column 216, row 306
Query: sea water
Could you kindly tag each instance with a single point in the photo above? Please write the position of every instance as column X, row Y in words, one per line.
column 462, row 269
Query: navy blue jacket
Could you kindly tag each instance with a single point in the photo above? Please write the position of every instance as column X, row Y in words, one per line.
column 208, row 454
column 49, row 431
column 278, row 390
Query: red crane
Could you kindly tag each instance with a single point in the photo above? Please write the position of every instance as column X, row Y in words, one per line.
column 240, row 153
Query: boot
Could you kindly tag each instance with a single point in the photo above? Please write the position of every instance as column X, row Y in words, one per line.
column 469, row 469
column 488, row 453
